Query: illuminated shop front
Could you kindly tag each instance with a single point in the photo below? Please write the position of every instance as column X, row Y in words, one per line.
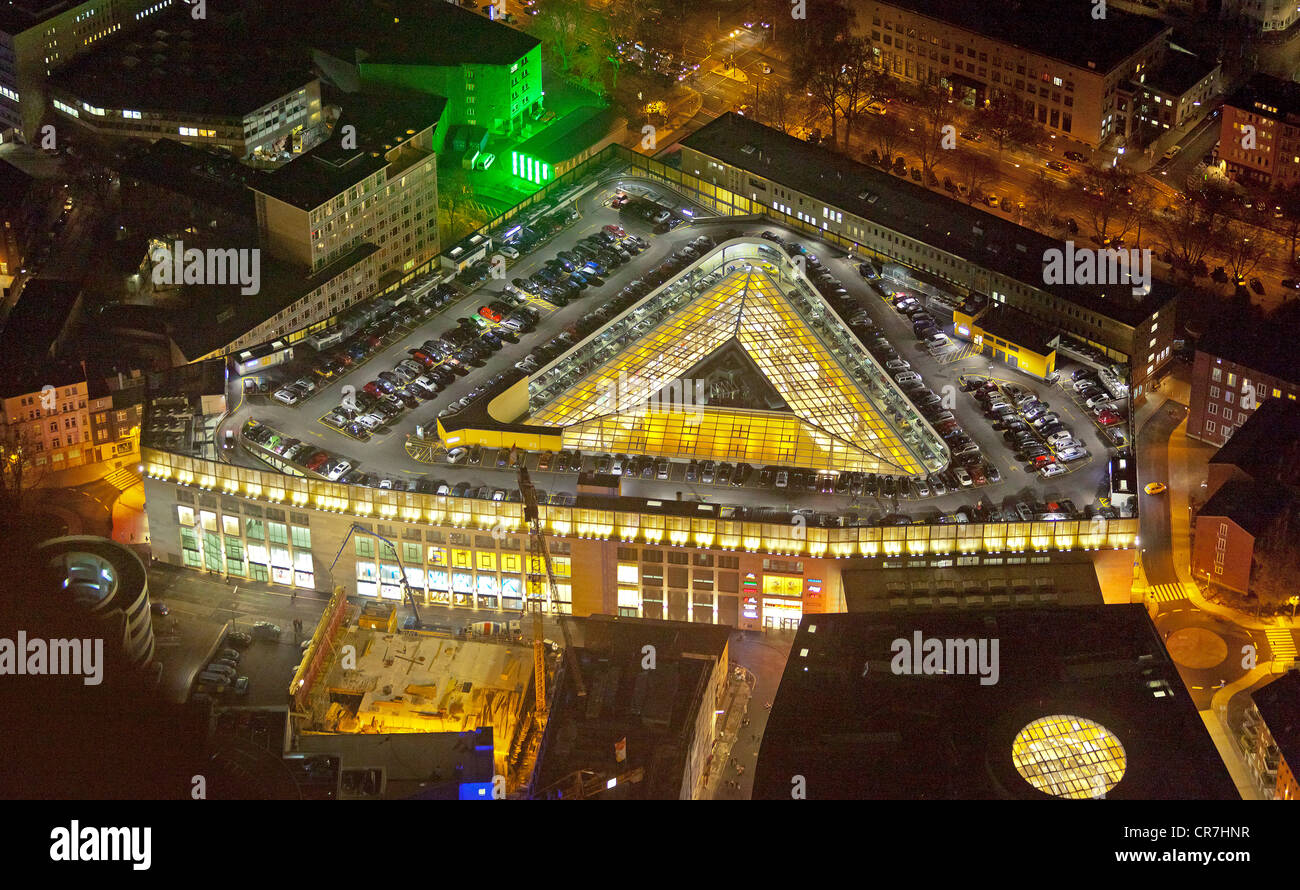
column 782, row 601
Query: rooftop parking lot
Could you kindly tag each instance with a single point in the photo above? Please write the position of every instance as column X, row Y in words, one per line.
column 1003, row 427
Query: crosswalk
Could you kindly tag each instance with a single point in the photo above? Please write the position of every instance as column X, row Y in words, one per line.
column 1168, row 593
column 123, row 478
column 1282, row 642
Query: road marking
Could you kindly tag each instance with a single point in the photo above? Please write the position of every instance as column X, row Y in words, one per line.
column 1168, row 593
column 1282, row 642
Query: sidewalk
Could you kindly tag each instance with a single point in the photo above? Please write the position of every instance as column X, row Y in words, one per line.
column 735, row 705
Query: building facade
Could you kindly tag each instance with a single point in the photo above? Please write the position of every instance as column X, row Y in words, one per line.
column 625, row 556
column 37, row 39
column 1259, row 136
column 1225, row 393
column 737, row 167
column 1070, row 87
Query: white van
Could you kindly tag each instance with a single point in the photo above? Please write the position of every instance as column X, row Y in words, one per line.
column 907, row 377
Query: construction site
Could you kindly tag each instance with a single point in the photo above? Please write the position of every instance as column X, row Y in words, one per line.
column 363, row 675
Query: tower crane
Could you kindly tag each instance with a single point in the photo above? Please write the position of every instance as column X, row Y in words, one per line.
column 539, row 566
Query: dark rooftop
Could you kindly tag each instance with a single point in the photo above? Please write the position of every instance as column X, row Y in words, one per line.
column 16, row 17
column 856, row 727
column 1266, row 345
column 1011, row 324
column 917, row 212
column 1038, row 26
column 197, row 174
column 201, row 67
column 654, row 710
column 1267, row 446
column 14, row 186
column 383, row 122
column 1279, row 705
column 1268, row 96
column 1178, row 73
column 571, row 134
column 32, row 328
column 413, row 32
column 217, row 315
column 1070, row 579
column 1252, row 505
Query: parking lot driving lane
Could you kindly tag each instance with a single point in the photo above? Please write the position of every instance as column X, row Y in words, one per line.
column 385, row 455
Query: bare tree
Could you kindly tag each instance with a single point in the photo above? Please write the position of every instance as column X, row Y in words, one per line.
column 1242, row 253
column 889, row 136
column 863, row 84
column 560, row 28
column 1004, row 119
column 974, row 170
column 1103, row 192
column 1188, row 232
column 1046, row 199
column 936, row 130
column 820, row 67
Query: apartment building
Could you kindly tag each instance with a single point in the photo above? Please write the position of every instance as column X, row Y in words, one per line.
column 1259, row 136
column 738, row 166
column 1236, row 370
column 19, row 215
column 1072, row 87
column 38, row 37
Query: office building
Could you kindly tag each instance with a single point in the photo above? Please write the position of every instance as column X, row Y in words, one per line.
column 1068, row 86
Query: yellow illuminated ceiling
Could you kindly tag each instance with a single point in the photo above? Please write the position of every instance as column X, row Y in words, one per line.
column 832, row 423
column 1069, row 757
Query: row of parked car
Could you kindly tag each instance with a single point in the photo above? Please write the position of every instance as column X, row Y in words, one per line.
column 566, row 275
column 303, row 455
column 1034, row 432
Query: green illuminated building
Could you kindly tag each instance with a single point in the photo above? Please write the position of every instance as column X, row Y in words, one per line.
column 570, row 140
column 490, row 73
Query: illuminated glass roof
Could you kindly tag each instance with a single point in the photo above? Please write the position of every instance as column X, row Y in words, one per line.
column 1069, row 757
column 619, row 405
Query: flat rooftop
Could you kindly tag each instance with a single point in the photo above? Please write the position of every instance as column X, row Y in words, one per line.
column 927, row 216
column 382, row 122
column 1267, row 446
column 654, row 711
column 412, row 32
column 571, row 134
column 1252, row 505
column 1269, row 97
column 198, row 67
column 196, row 174
column 1038, row 27
column 16, row 17
column 1018, row 327
column 1068, row 580
column 1086, row 702
column 1266, row 345
column 1178, row 73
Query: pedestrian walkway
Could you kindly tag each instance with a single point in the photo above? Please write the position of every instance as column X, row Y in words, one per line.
column 1282, row 641
column 1168, row 593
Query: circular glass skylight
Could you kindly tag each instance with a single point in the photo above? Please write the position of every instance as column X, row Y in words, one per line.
column 1070, row 757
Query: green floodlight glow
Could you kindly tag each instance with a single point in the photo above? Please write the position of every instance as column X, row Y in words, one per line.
column 546, row 172
column 514, row 162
